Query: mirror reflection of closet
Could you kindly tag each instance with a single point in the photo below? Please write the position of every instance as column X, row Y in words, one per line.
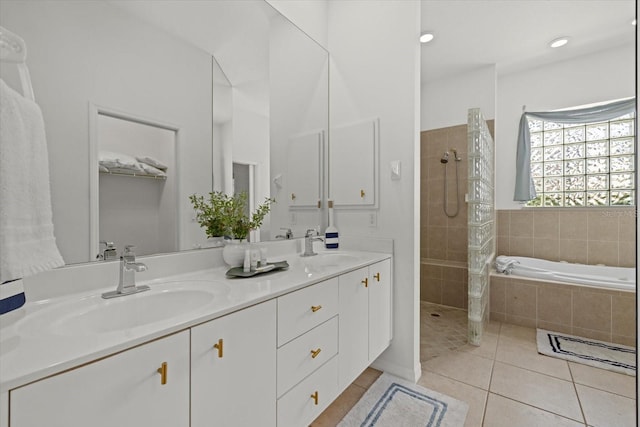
column 137, row 184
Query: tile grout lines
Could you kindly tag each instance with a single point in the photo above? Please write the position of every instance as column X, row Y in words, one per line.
column 575, row 389
column 493, row 364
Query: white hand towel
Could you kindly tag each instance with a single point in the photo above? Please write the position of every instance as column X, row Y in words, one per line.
column 505, row 265
column 152, row 162
column 27, row 242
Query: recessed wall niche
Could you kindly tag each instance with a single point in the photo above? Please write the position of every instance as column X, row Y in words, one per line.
column 137, row 184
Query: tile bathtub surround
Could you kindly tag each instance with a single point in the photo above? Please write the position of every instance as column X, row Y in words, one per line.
column 601, row 314
column 603, row 235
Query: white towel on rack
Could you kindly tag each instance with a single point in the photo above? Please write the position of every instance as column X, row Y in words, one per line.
column 27, row 242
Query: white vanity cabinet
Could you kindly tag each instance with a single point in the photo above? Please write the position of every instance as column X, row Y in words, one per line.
column 144, row 386
column 307, row 352
column 365, row 318
column 233, row 376
column 279, row 362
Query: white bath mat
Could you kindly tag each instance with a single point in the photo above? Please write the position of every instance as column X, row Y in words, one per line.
column 393, row 402
column 613, row 357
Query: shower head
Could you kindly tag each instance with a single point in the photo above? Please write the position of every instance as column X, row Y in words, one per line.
column 445, row 158
column 455, row 155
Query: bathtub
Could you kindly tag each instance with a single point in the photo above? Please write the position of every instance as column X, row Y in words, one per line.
column 619, row 278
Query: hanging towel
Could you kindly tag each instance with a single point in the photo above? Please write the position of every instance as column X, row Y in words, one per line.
column 11, row 295
column 505, row 265
column 27, row 242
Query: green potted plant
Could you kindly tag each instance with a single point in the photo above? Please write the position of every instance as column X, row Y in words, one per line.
column 240, row 225
column 211, row 214
column 224, row 215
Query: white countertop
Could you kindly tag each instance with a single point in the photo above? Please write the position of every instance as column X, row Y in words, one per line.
column 30, row 354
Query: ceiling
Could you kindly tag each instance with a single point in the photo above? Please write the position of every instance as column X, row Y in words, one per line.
column 515, row 34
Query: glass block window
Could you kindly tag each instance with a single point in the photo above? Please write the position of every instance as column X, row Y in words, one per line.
column 590, row 164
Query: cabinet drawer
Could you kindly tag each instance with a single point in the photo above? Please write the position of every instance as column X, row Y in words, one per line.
column 302, row 310
column 296, row 359
column 298, row 406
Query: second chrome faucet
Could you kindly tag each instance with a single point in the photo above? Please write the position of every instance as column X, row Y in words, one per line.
column 310, row 237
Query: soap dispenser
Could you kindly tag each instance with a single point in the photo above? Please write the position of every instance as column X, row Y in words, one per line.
column 331, row 235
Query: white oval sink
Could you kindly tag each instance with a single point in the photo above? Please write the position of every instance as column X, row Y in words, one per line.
column 95, row 315
column 329, row 259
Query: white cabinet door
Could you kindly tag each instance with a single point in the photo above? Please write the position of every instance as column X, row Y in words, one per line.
column 353, row 165
column 379, row 308
column 364, row 318
column 233, row 376
column 122, row 390
column 353, row 326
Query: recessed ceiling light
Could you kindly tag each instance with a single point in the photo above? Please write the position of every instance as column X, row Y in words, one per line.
column 560, row 41
column 426, row 37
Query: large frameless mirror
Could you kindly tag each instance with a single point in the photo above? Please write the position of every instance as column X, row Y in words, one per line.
column 195, row 86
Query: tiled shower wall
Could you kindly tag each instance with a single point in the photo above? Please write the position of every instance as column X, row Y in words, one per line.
column 603, row 235
column 443, row 240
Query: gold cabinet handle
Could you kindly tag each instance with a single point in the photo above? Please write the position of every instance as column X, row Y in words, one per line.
column 377, row 276
column 315, row 353
column 314, row 396
column 362, row 194
column 365, row 282
column 315, row 308
column 220, row 346
column 162, row 370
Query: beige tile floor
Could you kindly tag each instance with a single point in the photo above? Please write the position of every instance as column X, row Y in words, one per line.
column 505, row 381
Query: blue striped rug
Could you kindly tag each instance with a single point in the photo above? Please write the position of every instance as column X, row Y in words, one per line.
column 601, row 354
column 393, row 402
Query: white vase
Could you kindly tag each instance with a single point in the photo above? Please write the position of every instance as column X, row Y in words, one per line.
column 233, row 252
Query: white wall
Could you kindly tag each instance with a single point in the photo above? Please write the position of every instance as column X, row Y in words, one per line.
column 375, row 72
column 597, row 77
column 308, row 15
column 92, row 52
column 445, row 102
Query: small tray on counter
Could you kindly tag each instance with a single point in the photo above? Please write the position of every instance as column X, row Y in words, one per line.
column 239, row 271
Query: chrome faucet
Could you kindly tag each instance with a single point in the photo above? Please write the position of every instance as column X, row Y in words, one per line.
column 310, row 236
column 109, row 252
column 287, row 235
column 128, row 269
